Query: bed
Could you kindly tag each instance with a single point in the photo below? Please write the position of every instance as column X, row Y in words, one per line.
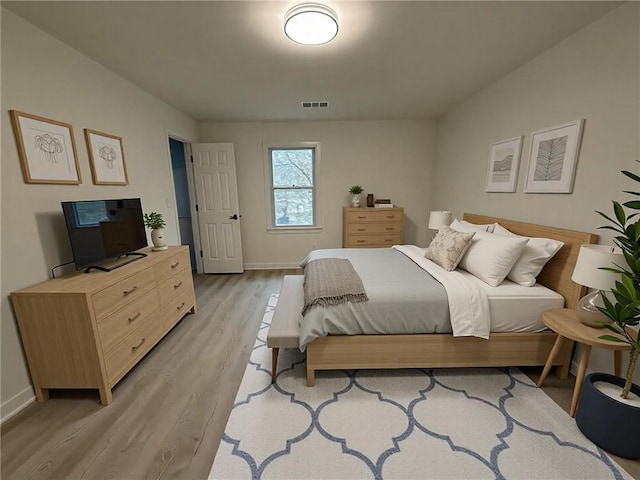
column 442, row 349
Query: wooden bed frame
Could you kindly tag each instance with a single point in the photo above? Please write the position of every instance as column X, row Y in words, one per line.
column 444, row 350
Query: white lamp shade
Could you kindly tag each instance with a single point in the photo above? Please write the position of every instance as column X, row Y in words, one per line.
column 587, row 270
column 311, row 24
column 439, row 219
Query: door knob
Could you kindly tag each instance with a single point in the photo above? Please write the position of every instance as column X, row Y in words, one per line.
column 234, row 216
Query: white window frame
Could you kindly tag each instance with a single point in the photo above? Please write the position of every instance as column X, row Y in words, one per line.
column 268, row 182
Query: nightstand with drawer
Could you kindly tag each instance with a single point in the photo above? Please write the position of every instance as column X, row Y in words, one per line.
column 372, row 227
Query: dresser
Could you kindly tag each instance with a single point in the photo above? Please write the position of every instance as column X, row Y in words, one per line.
column 87, row 330
column 372, row 227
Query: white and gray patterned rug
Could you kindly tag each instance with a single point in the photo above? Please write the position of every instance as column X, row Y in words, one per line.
column 399, row 424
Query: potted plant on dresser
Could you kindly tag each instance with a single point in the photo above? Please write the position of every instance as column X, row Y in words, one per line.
column 355, row 191
column 156, row 223
column 612, row 420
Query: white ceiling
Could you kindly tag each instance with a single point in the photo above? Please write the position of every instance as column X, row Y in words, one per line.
column 230, row 61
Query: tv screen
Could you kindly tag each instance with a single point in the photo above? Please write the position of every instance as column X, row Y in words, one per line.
column 104, row 229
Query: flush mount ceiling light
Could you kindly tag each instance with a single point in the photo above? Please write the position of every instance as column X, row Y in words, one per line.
column 311, row 24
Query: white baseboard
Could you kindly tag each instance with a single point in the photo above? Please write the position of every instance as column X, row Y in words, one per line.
column 16, row 403
column 270, row 266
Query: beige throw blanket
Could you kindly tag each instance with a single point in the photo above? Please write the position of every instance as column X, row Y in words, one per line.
column 331, row 281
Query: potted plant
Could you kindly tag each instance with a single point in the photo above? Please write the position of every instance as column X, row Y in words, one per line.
column 613, row 421
column 156, row 223
column 355, row 190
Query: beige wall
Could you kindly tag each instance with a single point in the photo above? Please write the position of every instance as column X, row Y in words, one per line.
column 42, row 76
column 595, row 75
column 392, row 159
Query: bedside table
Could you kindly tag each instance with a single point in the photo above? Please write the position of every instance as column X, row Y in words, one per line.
column 565, row 322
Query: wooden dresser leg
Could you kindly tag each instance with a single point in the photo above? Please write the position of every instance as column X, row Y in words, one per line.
column 42, row 394
column 274, row 363
column 105, row 396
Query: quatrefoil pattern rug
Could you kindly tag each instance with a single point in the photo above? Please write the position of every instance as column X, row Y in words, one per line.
column 399, row 424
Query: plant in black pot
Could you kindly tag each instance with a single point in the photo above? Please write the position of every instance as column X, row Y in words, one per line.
column 612, row 421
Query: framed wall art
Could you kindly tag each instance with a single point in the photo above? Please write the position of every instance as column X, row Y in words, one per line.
column 46, row 148
column 106, row 157
column 553, row 158
column 504, row 159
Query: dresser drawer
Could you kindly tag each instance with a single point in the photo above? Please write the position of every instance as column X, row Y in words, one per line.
column 115, row 297
column 373, row 240
column 173, row 264
column 175, row 285
column 127, row 353
column 374, row 228
column 122, row 323
column 374, row 215
column 178, row 308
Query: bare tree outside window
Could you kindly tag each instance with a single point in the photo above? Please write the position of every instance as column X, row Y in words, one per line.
column 293, row 183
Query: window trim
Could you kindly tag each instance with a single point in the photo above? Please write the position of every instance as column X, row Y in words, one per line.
column 271, row 227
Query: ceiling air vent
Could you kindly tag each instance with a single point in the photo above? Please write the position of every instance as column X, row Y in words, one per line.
column 315, row 104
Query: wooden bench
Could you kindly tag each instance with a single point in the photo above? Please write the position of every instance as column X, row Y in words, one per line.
column 285, row 331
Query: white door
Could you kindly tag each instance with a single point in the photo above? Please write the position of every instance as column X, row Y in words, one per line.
column 214, row 169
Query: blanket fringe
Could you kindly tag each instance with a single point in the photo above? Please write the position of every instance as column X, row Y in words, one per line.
column 335, row 300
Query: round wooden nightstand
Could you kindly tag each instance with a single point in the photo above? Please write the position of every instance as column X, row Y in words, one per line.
column 565, row 323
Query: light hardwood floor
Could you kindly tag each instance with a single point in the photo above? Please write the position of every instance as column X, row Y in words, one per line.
column 169, row 412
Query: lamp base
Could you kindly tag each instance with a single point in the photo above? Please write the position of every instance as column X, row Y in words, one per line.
column 587, row 310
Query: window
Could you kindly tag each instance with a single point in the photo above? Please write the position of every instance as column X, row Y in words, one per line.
column 293, row 188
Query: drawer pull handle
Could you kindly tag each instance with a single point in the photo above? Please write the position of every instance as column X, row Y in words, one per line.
column 178, row 285
column 391, row 216
column 362, row 217
column 135, row 317
column 389, row 240
column 389, row 228
column 180, row 306
column 361, row 229
column 174, row 265
column 139, row 345
column 360, row 241
column 133, row 289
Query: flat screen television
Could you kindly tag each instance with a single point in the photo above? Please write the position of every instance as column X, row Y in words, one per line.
column 100, row 230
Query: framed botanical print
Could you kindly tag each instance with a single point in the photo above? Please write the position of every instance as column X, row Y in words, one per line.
column 106, row 157
column 46, row 148
column 553, row 158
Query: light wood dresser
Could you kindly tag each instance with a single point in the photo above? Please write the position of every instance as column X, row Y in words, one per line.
column 372, row 227
column 87, row 330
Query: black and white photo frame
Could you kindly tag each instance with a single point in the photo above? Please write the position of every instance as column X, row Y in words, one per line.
column 554, row 158
column 504, row 160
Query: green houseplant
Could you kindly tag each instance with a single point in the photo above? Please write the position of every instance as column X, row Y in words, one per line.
column 156, row 223
column 609, row 420
column 625, row 312
column 355, row 191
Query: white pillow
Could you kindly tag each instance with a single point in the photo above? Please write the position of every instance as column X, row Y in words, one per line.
column 471, row 227
column 535, row 256
column 491, row 257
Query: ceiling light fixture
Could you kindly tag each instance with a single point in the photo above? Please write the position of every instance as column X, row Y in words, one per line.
column 311, row 24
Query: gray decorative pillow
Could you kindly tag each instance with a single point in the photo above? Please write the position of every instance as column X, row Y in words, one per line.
column 448, row 247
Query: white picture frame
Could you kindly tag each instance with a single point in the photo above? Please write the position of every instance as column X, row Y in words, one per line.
column 554, row 158
column 504, row 161
column 106, row 157
column 47, row 149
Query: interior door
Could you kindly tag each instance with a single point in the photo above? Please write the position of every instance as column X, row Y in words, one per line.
column 214, row 168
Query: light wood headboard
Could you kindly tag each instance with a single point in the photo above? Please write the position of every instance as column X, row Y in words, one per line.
column 556, row 274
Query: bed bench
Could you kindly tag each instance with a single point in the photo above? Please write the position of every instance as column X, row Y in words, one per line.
column 285, row 331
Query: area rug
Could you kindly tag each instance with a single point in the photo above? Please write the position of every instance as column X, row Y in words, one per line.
column 480, row 423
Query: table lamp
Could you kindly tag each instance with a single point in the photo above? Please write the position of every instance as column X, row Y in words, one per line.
column 588, row 273
column 439, row 219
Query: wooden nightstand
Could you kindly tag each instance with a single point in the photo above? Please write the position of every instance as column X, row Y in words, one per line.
column 565, row 323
